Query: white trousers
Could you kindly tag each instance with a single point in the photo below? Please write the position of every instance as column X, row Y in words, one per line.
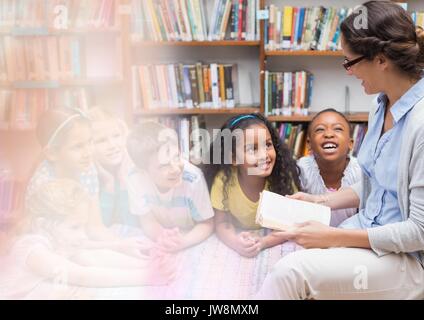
column 344, row 273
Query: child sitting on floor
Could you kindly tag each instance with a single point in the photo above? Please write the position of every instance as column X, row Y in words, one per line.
column 243, row 165
column 168, row 194
column 113, row 165
column 55, row 246
column 329, row 167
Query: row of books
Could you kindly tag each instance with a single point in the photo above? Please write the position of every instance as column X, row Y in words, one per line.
column 288, row 93
column 295, row 135
column 40, row 58
column 234, row 20
column 184, row 86
column 187, row 129
column 9, row 195
column 21, row 15
column 359, row 131
column 20, row 109
column 187, row 20
column 418, row 18
column 304, row 28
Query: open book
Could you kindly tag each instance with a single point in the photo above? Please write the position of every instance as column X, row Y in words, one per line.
column 281, row 213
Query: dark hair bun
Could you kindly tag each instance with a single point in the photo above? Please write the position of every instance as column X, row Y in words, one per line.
column 390, row 31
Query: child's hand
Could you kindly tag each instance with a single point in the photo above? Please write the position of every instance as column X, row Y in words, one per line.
column 163, row 268
column 248, row 245
column 280, row 235
column 171, row 240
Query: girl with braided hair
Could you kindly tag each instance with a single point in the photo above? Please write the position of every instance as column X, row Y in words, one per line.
column 379, row 252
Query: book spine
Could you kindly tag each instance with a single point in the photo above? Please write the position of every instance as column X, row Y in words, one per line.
column 221, row 81
column 200, row 85
column 191, row 18
column 266, row 93
column 243, row 33
column 198, row 20
column 234, row 12
column 207, row 84
column 180, row 91
column 180, row 21
column 194, row 86
column 186, row 20
column 187, row 87
column 295, row 23
column 219, row 21
column 240, row 20
column 229, row 89
column 213, row 20
column 214, row 86
column 225, row 20
column 173, row 86
column 287, row 26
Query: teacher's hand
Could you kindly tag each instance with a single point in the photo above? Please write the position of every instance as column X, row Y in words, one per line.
column 312, row 234
column 304, row 197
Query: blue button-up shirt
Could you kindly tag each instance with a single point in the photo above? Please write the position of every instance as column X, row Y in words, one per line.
column 379, row 159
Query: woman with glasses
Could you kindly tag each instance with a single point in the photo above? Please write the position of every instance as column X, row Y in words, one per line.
column 379, row 252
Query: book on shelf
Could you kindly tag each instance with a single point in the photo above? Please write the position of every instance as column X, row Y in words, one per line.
column 184, row 86
column 190, row 138
column 359, row 131
column 54, row 59
column 191, row 20
column 288, row 93
column 26, row 17
column 294, row 136
column 418, row 18
column 10, row 192
column 278, row 212
column 40, row 58
column 304, row 28
column 5, row 108
column 21, row 109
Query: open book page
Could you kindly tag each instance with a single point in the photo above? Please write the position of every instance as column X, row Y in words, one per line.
column 281, row 213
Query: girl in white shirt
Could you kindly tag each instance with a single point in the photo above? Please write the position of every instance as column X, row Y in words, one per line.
column 329, row 167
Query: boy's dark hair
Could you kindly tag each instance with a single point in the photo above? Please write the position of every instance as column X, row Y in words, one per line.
column 145, row 140
column 391, row 32
column 285, row 174
column 330, row 110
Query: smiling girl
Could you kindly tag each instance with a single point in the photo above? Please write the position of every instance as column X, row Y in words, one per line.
column 329, row 167
column 258, row 161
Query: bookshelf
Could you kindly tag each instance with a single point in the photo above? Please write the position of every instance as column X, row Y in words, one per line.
column 303, row 53
column 197, row 111
column 354, row 117
column 222, row 43
column 27, row 25
column 267, row 60
column 192, row 52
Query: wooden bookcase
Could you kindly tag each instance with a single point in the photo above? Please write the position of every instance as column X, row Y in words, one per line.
column 19, row 148
column 263, row 55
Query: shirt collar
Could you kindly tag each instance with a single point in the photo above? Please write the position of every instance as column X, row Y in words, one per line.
column 405, row 103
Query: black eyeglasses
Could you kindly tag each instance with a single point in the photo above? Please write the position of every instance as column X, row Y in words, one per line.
column 347, row 64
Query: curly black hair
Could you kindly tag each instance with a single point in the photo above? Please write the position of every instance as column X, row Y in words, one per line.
column 285, row 174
